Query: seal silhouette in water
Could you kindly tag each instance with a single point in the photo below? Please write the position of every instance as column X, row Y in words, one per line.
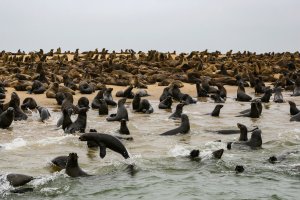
column 29, row 103
column 178, row 111
column 60, row 161
column 6, row 118
column 216, row 111
column 121, row 112
column 105, row 141
column 108, row 97
column 267, row 95
column 278, row 98
column 15, row 103
column 103, row 108
column 293, row 109
column 80, row 122
column 72, row 167
column 216, row 154
column 241, row 95
column 255, row 141
column 183, row 128
column 166, row 103
column 17, row 180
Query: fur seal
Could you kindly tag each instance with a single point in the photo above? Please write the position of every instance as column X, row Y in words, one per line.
column 278, row 98
column 267, row 95
column 83, row 102
column 108, row 97
column 295, row 118
column 281, row 157
column 136, row 102
column 217, row 98
column 187, row 99
column 296, row 91
column 44, row 113
column 37, row 87
column 95, row 102
column 29, row 103
column 241, row 95
column 127, row 93
column 166, row 103
column 15, row 103
column 200, row 91
column 105, row 141
column 121, row 112
column 183, row 128
column 255, row 141
column 103, row 108
column 145, row 107
column 178, row 111
column 72, row 167
column 6, row 118
column 80, row 122
column 60, row 161
column 17, row 180
column 86, row 88
column 216, row 154
column 165, row 94
column 123, row 128
column 59, row 97
column 216, row 111
column 239, row 169
column 254, row 112
column 293, row 109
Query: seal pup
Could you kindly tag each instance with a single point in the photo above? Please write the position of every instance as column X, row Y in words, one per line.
column 166, row 103
column 123, row 128
column 29, row 103
column 278, row 98
column 72, row 167
column 255, row 141
column 108, row 97
column 216, row 111
column 105, row 141
column 6, row 118
column 183, row 128
column 44, row 113
column 121, row 112
column 178, row 111
column 293, row 109
column 60, row 162
column 241, row 94
column 17, row 180
column 80, row 122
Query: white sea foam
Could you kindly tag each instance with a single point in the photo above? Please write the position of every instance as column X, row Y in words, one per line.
column 178, row 151
column 16, row 143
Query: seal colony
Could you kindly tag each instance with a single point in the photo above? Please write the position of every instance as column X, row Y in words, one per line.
column 59, row 76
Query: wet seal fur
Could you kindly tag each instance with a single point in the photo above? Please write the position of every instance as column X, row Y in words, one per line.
column 183, row 128
column 105, row 141
column 72, row 167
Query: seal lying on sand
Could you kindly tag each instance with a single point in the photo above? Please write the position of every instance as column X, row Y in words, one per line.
column 72, row 167
column 183, row 128
column 105, row 141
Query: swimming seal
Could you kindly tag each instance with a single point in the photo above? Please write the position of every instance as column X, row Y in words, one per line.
column 123, row 128
column 17, row 180
column 145, row 107
column 95, row 102
column 127, row 93
column 255, row 141
column 216, row 111
column 105, row 141
column 60, row 161
column 200, row 91
column 121, row 112
column 83, row 102
column 183, row 128
column 72, row 167
column 103, row 108
column 178, row 111
column 267, row 95
column 281, row 157
column 15, row 103
column 44, row 113
column 216, row 154
column 6, row 118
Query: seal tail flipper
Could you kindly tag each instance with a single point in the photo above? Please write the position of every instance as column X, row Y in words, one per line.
column 102, row 150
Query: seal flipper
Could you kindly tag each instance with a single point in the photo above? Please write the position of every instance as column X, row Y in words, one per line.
column 102, row 150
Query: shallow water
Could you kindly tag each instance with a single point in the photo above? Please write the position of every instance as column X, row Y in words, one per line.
column 162, row 169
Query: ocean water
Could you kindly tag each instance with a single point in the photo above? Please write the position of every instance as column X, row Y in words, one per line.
column 161, row 169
